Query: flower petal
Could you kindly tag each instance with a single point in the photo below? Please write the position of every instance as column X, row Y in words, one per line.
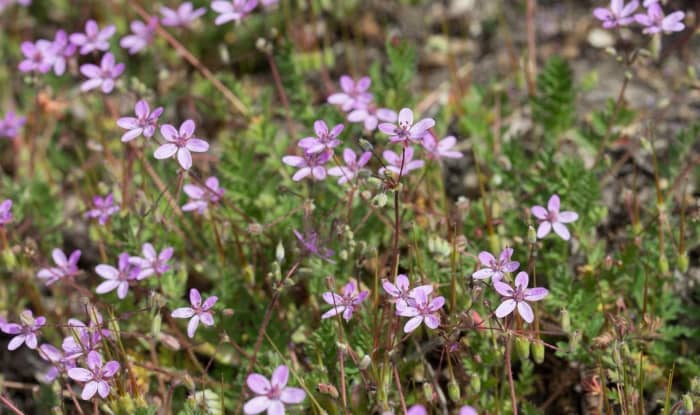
column 258, row 384
column 525, row 311
column 505, row 308
column 256, row 405
column 280, row 377
column 292, row 395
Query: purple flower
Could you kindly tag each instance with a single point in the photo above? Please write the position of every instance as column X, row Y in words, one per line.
column 495, row 268
column 232, row 10
column 57, row 359
column 5, row 212
column 10, row 125
column 354, row 95
column 423, row 310
column 518, row 297
column 144, row 123
column 551, row 218
column 65, row 267
column 102, row 76
column 353, row 165
column 405, row 131
column 443, row 149
column 311, row 164
column 84, row 338
column 346, row 303
column 401, row 290
column 152, row 262
column 370, row 115
column 142, row 35
column 198, row 312
column 96, row 376
column 324, row 139
column 417, row 409
column 311, row 245
column 618, row 14
column 38, row 57
column 467, row 410
column 62, row 49
column 93, row 38
column 104, row 207
column 182, row 17
column 181, row 142
column 25, row 332
column 655, row 21
column 117, row 278
column 202, row 197
column 398, row 165
column 273, row 394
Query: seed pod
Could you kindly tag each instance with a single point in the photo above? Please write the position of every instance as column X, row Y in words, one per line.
column 279, row 252
column 531, row 234
column 538, row 352
column 156, row 324
column 453, row 391
column 663, row 264
column 682, row 262
column 522, row 346
column 365, row 362
column 380, row 200
column 428, row 391
column 475, row 384
column 328, row 389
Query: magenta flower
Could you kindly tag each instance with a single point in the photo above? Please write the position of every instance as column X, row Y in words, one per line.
column 398, row 165
column 93, row 38
column 654, row 20
column 400, row 290
column 354, row 95
column 495, row 268
column 62, row 50
column 440, row 149
column 182, row 17
column 405, row 131
column 10, row 125
column 467, row 410
column 57, row 359
column 352, row 167
column 422, row 310
column 144, row 123
column 234, row 10
column 198, row 312
column 152, row 262
column 65, row 267
column 370, row 116
column 518, row 297
column 311, row 164
column 273, row 394
column 346, row 303
column 417, row 409
column 84, row 338
column 25, row 332
column 324, row 139
column 618, row 14
column 551, row 218
column 5, row 212
column 142, row 35
column 117, row 278
column 96, row 376
column 104, row 207
column 38, row 57
column 181, row 142
column 311, row 245
column 202, row 197
column 102, row 76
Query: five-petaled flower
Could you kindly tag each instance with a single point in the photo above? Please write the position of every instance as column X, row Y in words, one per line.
column 202, row 197
column 5, row 212
column 25, row 332
column 518, row 297
column 406, row 131
column 152, row 262
column 104, row 207
column 311, row 164
column 38, row 56
column 354, row 94
column 117, row 278
column 400, row 164
column 10, row 125
column 618, row 14
column 232, row 10
column 96, row 376
column 181, row 142
column 93, row 38
column 352, row 166
column 440, row 149
column 495, row 268
column 102, row 76
column 198, row 312
column 57, row 359
column 273, row 394
column 183, row 16
column 311, row 245
column 324, row 140
column 400, row 290
column 654, row 20
column 551, row 217
column 84, row 338
column 144, row 123
column 65, row 267
column 423, row 309
column 346, row 303
column 141, row 37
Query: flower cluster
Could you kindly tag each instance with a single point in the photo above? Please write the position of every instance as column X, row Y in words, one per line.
column 201, row 197
column 417, row 304
column 132, row 268
column 653, row 20
column 66, row 267
column 5, row 212
column 103, row 208
column 25, row 332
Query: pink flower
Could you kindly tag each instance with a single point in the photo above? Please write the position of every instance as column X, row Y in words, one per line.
column 398, row 165
column 10, row 125
column 310, row 244
column 102, row 76
column 144, row 123
column 84, row 338
column 65, row 267
column 354, row 95
column 405, row 131
column 324, row 139
column 353, row 165
column 311, row 164
column 201, row 198
column 198, row 312
column 443, row 149
column 370, row 115
column 142, row 35
column 655, row 21
column 551, row 218
column 25, row 332
column 467, row 410
column 518, row 297
column 38, row 57
column 493, row 268
column 423, row 310
column 62, row 49
column 96, row 376
column 346, row 303
column 273, row 394
column 183, row 16
column 5, row 212
column 417, row 409
column 181, row 142
column 401, row 290
column 93, row 38
column 117, row 278
column 152, row 262
column 234, row 10
column 104, row 208
column 618, row 14
column 57, row 359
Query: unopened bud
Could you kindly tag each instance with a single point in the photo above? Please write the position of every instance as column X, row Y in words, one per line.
column 380, row 200
column 366, row 145
column 428, row 391
column 365, row 362
column 531, row 234
column 537, row 349
column 663, row 264
column 688, row 403
column 565, row 320
column 682, row 262
column 26, row 318
column 343, row 254
column 522, row 346
column 475, row 384
column 188, row 381
column 156, row 324
column 279, row 252
column 453, row 391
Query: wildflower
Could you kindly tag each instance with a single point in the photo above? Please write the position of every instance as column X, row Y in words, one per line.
column 181, row 142
column 440, row 149
column 310, row 244
column 423, row 310
column 65, row 267
column 311, row 164
column 62, row 49
column 152, row 262
column 57, row 360
column 93, row 38
column 353, row 165
column 324, row 139
column 142, row 35
column 493, row 268
column 273, row 394
column 354, row 95
column 405, row 130
column 102, row 76
column 400, row 290
column 201, row 198
column 84, row 338
column 198, row 312
column 518, row 297
column 370, row 115
column 25, row 332
column 618, row 14
column 234, row 10
column 551, row 218
column 104, row 207
column 467, row 410
column 182, row 17
column 117, row 278
column 5, row 212
column 96, row 376
column 400, row 165
column 655, row 21
column 10, row 125
column 144, row 123
column 417, row 409
column 346, row 303
column 38, row 56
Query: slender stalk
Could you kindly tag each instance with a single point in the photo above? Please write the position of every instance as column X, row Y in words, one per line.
column 397, row 379
column 509, row 369
column 10, row 405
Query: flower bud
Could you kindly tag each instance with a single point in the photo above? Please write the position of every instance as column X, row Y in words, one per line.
column 365, row 362
column 156, row 324
column 531, row 234
column 688, row 403
column 379, row 200
column 522, row 346
column 475, row 384
column 428, row 391
column 279, row 252
column 343, row 254
column 682, row 262
column 663, row 264
column 538, row 352
column 26, row 318
column 565, row 320
column 366, row 145
column 453, row 391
